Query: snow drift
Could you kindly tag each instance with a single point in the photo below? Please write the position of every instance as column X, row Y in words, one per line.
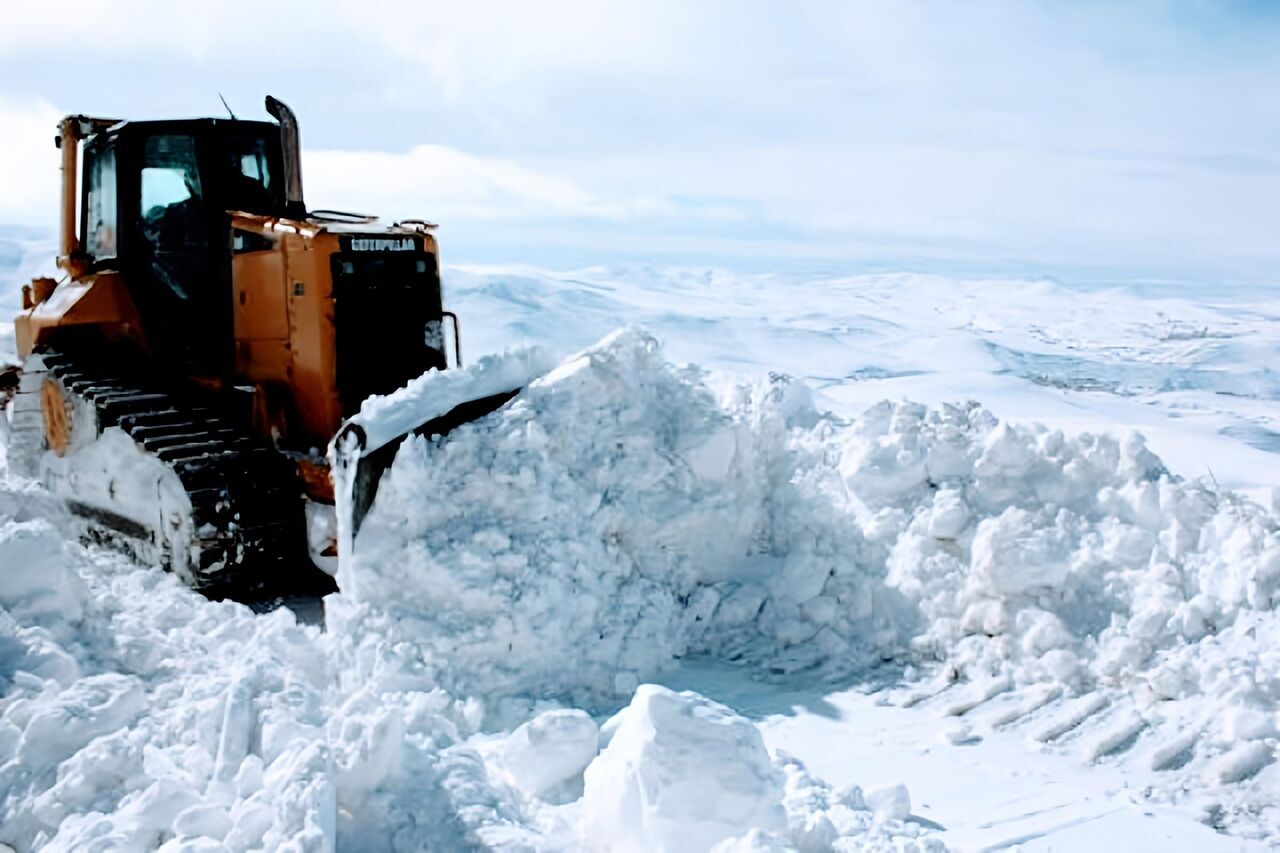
column 624, row 512
column 620, row 514
column 616, row 516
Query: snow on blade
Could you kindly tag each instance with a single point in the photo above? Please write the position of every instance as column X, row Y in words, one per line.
column 436, row 392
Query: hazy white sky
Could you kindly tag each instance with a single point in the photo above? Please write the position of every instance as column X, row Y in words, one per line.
column 1072, row 138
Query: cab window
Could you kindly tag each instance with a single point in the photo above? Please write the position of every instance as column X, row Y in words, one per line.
column 171, row 207
column 250, row 182
column 99, row 225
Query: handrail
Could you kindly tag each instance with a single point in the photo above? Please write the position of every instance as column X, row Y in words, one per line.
column 457, row 337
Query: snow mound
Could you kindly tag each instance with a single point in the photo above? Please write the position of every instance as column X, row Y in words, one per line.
column 1082, row 568
column 618, row 515
column 680, row 772
column 149, row 715
column 623, row 513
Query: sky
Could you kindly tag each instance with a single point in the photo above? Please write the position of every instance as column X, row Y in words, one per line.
column 1087, row 140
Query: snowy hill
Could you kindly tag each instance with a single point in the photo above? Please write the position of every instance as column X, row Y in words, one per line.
column 1057, row 636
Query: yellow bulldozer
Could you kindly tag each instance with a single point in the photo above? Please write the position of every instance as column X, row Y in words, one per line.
column 209, row 338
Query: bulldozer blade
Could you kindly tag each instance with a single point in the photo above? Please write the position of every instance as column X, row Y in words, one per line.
column 358, row 470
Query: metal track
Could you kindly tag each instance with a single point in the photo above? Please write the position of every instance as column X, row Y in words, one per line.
column 248, row 519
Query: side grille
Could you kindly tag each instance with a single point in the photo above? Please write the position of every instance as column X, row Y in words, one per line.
column 387, row 314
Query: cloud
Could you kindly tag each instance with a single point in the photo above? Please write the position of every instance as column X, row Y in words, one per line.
column 427, row 180
column 1136, row 135
column 29, row 162
column 434, row 181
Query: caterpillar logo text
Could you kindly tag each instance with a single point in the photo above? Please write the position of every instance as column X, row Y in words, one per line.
column 381, row 244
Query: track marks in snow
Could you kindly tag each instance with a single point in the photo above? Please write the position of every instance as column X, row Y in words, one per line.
column 1053, row 829
column 1175, row 751
column 1116, row 738
column 1028, row 701
column 1241, row 762
column 977, row 695
column 1072, row 717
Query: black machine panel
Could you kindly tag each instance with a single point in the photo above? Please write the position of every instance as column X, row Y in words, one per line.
column 387, row 316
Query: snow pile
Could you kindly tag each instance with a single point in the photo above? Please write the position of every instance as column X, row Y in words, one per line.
column 680, row 772
column 616, row 516
column 1077, row 561
column 151, row 719
column 623, row 513
column 125, row 727
column 135, row 715
column 619, row 514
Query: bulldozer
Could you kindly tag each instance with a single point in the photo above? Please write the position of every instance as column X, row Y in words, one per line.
column 209, row 338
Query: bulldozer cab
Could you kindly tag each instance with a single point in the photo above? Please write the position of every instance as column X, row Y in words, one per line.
column 154, row 207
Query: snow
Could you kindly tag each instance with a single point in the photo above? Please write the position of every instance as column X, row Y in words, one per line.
column 1194, row 368
column 1073, row 562
column 668, row 606
column 890, row 802
column 434, row 394
column 680, row 772
column 546, row 756
column 612, row 519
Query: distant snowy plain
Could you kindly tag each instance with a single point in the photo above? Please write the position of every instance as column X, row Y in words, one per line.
column 1051, row 637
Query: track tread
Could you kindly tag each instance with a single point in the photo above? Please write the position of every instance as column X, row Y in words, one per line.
column 246, row 499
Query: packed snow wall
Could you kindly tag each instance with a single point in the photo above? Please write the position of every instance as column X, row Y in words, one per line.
column 624, row 512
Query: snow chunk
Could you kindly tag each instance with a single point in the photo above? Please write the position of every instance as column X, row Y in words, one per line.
column 36, row 581
column 550, row 752
column 949, row 516
column 889, row 802
column 680, row 773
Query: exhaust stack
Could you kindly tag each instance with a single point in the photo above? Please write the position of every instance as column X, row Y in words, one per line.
column 292, row 156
